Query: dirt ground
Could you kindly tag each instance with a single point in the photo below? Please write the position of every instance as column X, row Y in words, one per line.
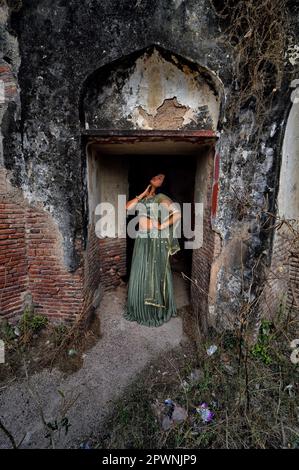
column 124, row 349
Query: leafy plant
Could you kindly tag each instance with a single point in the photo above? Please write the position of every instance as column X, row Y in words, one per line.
column 58, row 333
column 6, row 331
column 261, row 349
column 229, row 340
column 31, row 322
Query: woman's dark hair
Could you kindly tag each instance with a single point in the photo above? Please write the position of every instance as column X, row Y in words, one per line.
column 166, row 186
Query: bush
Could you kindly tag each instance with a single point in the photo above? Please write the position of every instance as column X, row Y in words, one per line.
column 31, row 322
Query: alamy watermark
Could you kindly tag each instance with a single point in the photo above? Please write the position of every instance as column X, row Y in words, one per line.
column 2, row 92
column 2, row 352
column 295, row 93
column 113, row 220
column 295, row 353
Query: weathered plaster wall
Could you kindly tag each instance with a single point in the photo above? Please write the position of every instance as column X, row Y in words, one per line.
column 152, row 92
column 249, row 182
column 108, row 178
column 288, row 195
column 31, row 260
column 282, row 288
column 51, row 47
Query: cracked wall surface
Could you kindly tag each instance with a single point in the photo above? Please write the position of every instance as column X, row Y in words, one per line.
column 155, row 91
column 53, row 50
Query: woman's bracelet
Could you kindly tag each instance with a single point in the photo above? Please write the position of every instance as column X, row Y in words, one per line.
column 138, row 198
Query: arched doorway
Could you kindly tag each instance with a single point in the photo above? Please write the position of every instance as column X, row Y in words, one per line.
column 150, row 110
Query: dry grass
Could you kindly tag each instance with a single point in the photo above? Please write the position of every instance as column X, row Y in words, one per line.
column 253, row 392
column 47, row 348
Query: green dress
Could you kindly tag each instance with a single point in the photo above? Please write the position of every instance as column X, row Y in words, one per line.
column 150, row 298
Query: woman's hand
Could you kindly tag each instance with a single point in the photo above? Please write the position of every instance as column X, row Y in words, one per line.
column 134, row 201
column 146, row 192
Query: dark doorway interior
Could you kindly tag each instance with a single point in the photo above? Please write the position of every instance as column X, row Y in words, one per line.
column 179, row 184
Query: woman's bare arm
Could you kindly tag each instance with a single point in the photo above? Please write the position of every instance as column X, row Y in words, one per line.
column 130, row 204
column 175, row 214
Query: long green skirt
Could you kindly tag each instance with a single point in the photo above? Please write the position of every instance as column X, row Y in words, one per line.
column 150, row 300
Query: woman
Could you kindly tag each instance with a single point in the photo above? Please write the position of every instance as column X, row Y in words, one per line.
column 150, row 299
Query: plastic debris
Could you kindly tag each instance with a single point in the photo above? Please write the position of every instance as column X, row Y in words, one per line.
column 169, row 407
column 290, row 389
column 196, row 375
column 168, row 401
column 17, row 331
column 206, row 414
column 179, row 414
column 86, row 445
column 212, row 349
column 174, row 414
column 185, row 384
column 214, row 404
column 72, row 352
column 166, row 423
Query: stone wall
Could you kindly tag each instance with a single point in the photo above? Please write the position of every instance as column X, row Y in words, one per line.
column 51, row 49
column 32, row 260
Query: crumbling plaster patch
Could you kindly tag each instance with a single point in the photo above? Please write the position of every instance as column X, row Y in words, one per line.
column 155, row 80
column 170, row 115
column 131, row 96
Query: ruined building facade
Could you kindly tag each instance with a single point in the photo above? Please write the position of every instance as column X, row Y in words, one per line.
column 93, row 91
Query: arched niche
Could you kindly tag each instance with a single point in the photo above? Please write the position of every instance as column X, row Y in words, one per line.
column 151, row 89
column 288, row 195
column 282, row 290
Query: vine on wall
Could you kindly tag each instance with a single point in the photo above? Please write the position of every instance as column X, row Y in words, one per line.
column 257, row 32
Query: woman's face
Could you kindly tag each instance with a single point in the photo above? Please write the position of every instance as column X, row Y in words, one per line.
column 157, row 180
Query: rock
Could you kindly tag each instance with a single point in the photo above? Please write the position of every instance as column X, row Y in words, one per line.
column 225, row 357
column 185, row 384
column 158, row 409
column 17, row 331
column 86, row 444
column 196, row 375
column 211, row 350
column 179, row 414
column 72, row 352
column 229, row 369
column 166, row 423
column 98, row 296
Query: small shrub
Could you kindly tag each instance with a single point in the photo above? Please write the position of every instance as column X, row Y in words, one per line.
column 261, row 349
column 7, row 333
column 59, row 332
column 229, row 340
column 32, row 322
